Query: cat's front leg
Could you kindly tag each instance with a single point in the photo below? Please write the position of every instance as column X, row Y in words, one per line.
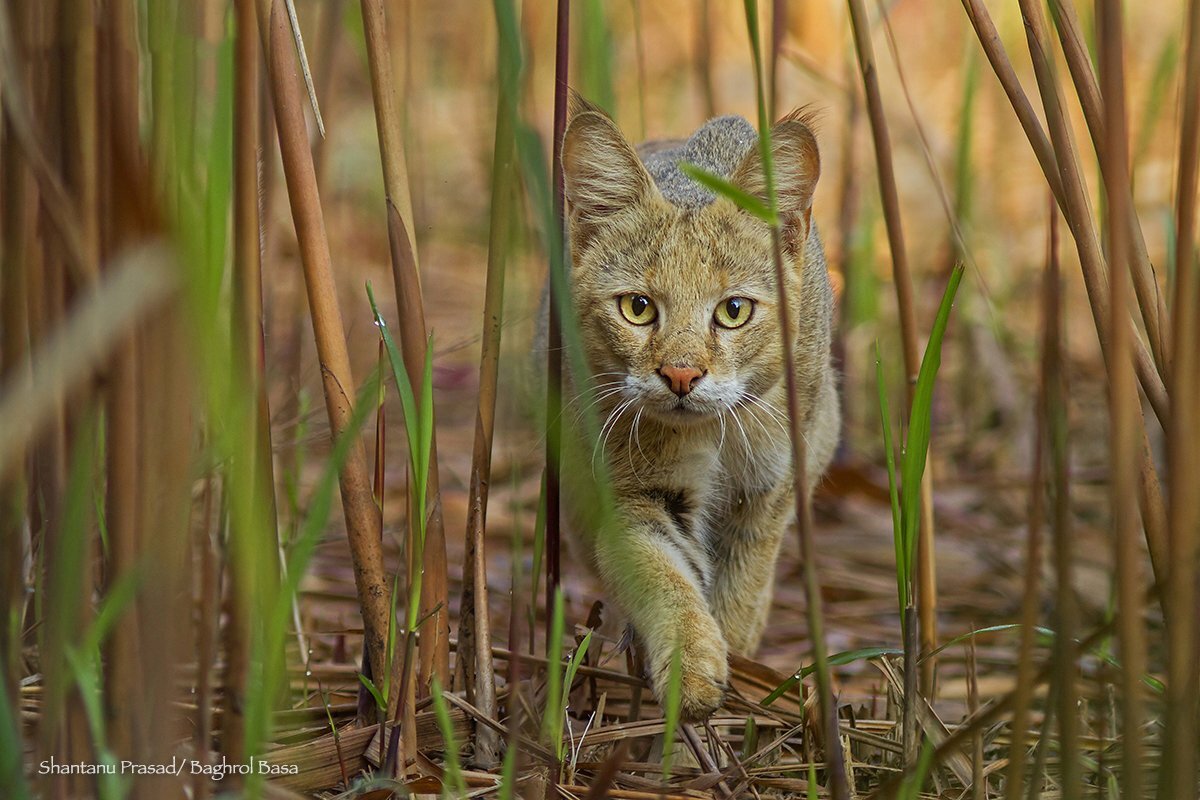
column 658, row 573
column 745, row 555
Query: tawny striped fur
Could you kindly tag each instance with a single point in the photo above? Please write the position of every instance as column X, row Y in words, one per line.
column 693, row 412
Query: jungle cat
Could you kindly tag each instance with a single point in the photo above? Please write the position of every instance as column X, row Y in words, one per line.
column 674, row 289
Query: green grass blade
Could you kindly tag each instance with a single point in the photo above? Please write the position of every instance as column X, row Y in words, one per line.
column 723, row 188
column 916, row 446
column 380, row 701
column 552, row 722
column 835, row 660
column 453, row 784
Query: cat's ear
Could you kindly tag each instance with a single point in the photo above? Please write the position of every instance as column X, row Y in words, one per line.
column 797, row 165
column 602, row 173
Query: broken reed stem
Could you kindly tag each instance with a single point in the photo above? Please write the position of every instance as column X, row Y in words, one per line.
column 926, row 574
column 406, row 280
column 1179, row 778
column 1079, row 63
column 554, row 348
column 362, row 522
column 476, row 616
column 1123, row 399
column 1031, row 597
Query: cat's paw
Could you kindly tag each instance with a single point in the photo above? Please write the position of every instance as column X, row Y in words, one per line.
column 704, row 673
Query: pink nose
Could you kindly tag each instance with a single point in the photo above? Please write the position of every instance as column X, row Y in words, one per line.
column 680, row 379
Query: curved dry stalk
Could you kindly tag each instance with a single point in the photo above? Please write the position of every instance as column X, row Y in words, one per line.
column 1149, row 299
column 362, row 522
column 1064, row 179
column 434, row 659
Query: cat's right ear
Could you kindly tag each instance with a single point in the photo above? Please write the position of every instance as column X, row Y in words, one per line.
column 602, row 174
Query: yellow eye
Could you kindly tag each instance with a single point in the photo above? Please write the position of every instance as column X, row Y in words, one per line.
column 637, row 308
column 734, row 312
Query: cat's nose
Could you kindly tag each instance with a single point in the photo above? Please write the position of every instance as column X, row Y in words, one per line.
column 680, row 379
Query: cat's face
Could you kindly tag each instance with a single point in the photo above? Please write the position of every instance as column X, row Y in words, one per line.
column 678, row 307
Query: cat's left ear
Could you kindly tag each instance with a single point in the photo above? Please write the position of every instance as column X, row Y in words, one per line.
column 797, row 165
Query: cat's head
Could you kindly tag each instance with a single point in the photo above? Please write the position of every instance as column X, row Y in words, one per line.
column 677, row 301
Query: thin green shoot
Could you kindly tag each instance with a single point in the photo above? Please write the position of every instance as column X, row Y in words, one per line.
column 910, row 789
column 453, row 784
column 916, row 441
column 418, row 426
column 671, row 704
column 508, row 775
column 552, row 720
column 835, row 660
column 576, row 659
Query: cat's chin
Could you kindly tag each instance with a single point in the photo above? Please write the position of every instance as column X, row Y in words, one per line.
column 684, row 413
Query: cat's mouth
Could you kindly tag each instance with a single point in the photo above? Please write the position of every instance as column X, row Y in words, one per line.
column 686, row 409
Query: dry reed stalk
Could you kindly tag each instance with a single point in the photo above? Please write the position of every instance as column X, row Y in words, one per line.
column 247, row 287
column 1124, row 416
column 1078, row 215
column 362, row 522
column 848, row 214
column 979, row 788
column 166, row 391
column 1179, row 778
column 1031, row 596
column 1065, row 181
column 992, row 713
column 926, row 570
column 435, row 649
column 476, row 618
column 1150, row 300
column 562, row 41
column 1066, row 612
column 118, row 134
